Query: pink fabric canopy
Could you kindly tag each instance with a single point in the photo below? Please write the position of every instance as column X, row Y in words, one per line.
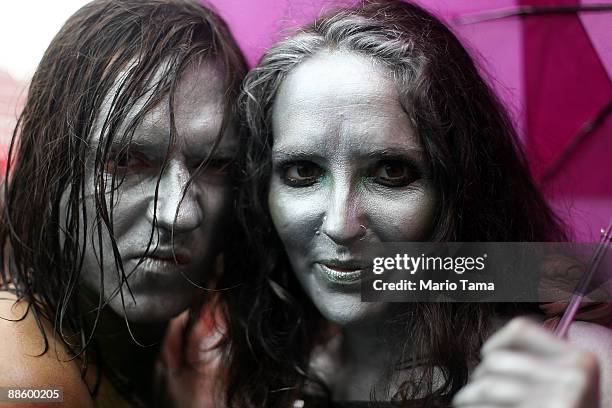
column 553, row 70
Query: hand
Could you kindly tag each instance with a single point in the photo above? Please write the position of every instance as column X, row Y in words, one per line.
column 194, row 384
column 524, row 365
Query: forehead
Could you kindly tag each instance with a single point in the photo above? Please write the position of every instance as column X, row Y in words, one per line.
column 198, row 109
column 338, row 100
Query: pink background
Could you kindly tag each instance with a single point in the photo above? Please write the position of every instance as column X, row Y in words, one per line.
column 552, row 72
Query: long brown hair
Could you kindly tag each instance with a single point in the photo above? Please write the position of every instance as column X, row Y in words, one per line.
column 149, row 43
column 476, row 163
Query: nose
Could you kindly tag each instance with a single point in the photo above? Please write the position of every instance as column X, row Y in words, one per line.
column 178, row 209
column 341, row 221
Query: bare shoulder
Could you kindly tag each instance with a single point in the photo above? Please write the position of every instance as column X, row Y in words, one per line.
column 23, row 360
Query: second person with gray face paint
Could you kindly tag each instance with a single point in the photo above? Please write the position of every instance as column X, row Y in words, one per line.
column 373, row 125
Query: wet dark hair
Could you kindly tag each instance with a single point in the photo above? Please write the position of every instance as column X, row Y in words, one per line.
column 484, row 188
column 142, row 47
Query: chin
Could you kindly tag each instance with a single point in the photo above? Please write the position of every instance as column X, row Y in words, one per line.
column 151, row 309
column 346, row 312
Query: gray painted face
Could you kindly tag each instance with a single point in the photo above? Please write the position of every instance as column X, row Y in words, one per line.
column 348, row 171
column 159, row 285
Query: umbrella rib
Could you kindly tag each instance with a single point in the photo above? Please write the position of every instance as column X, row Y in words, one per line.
column 587, row 129
column 529, row 11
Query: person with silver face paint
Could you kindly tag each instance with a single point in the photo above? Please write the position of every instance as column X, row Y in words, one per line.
column 373, row 125
column 119, row 196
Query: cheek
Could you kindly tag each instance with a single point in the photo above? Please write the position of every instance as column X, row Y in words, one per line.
column 130, row 205
column 296, row 213
column 404, row 217
column 130, row 208
column 128, row 200
column 122, row 203
column 215, row 202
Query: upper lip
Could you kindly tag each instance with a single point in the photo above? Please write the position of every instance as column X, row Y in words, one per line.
column 344, row 265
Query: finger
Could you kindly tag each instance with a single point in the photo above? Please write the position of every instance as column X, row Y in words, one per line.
column 506, row 362
column 521, row 365
column 173, row 341
column 522, row 334
column 208, row 334
column 542, row 379
column 491, row 391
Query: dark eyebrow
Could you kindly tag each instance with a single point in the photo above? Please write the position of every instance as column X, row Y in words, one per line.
column 298, row 154
column 148, row 143
column 144, row 139
column 397, row 153
column 149, row 149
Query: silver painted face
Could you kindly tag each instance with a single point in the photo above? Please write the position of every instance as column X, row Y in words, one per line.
column 159, row 281
column 348, row 172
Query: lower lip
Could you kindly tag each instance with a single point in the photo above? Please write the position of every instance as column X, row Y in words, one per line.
column 155, row 264
column 343, row 277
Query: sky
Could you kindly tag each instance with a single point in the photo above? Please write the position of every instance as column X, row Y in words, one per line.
column 26, row 29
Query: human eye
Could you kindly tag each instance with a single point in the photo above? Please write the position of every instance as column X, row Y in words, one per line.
column 394, row 173
column 300, row 173
column 126, row 161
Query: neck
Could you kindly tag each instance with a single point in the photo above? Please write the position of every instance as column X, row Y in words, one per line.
column 366, row 346
column 126, row 357
column 370, row 351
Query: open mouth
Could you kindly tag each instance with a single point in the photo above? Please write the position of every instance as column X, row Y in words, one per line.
column 341, row 272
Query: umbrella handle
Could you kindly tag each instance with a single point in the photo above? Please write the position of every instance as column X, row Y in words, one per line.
column 583, row 285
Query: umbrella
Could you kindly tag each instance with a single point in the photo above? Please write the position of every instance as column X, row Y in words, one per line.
column 550, row 61
column 12, row 98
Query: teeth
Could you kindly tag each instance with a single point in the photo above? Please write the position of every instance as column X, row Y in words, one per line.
column 340, row 277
